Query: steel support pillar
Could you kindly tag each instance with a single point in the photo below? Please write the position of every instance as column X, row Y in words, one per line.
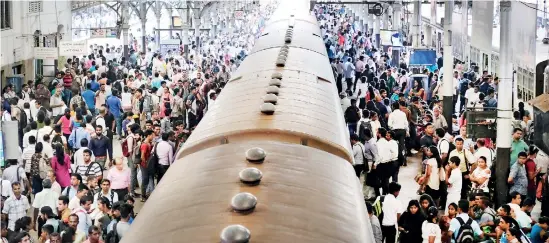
column 505, row 88
column 125, row 26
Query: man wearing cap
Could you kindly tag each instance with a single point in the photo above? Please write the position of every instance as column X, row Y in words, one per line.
column 45, row 198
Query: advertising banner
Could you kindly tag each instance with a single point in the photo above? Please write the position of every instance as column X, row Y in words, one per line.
column 170, row 44
column 458, row 43
column 481, row 36
column 523, row 39
column 45, row 53
column 73, row 48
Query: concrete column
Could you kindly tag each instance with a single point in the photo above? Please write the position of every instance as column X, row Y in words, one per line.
column 197, row 34
column 396, row 16
column 371, row 24
column 377, row 24
column 366, row 17
column 448, row 63
column 428, row 36
column 465, row 29
column 386, row 18
column 416, row 25
column 505, row 105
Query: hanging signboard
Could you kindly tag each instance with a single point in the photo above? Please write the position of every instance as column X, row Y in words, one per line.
column 97, row 33
column 103, row 33
column 170, row 44
column 73, row 48
column 239, row 14
column 45, row 53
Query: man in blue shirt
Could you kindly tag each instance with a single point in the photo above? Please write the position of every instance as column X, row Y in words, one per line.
column 156, row 82
column 94, row 84
column 113, row 102
column 89, row 98
column 77, row 135
column 541, row 226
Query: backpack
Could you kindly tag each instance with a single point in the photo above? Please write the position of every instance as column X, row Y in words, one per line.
column 465, row 232
column 44, row 165
column 112, row 236
column 76, row 84
column 125, row 150
column 118, row 85
column 147, row 103
column 137, row 153
column 22, row 119
column 378, row 208
column 362, row 128
column 463, row 86
column 57, row 139
column 153, row 159
column 451, row 147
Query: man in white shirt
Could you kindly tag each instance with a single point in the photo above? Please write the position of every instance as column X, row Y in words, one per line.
column 56, row 102
column 385, row 160
column 482, row 150
column 398, row 122
column 453, row 177
column 471, row 95
column 47, row 197
column 79, row 154
column 32, row 132
column 358, row 154
column 392, row 209
column 522, row 218
column 47, row 129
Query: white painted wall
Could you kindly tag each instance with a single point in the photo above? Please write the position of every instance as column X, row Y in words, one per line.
column 17, row 42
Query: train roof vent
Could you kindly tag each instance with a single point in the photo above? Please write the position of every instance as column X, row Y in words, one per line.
column 275, row 82
column 272, row 90
column 277, row 75
column 267, row 109
column 235, row 233
column 244, row 202
column 256, row 155
column 250, row 176
column 271, row 98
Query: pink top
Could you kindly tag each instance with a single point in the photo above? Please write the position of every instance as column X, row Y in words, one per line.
column 119, row 179
column 62, row 172
column 65, row 125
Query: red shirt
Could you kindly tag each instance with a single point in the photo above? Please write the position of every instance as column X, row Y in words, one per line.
column 146, row 153
column 530, row 167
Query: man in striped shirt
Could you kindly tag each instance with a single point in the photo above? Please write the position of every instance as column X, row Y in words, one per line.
column 89, row 168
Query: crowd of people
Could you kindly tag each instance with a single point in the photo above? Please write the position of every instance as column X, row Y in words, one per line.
column 70, row 183
column 395, row 118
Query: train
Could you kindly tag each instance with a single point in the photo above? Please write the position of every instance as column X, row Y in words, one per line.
column 271, row 161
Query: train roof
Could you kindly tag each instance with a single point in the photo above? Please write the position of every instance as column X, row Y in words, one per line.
column 304, row 195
